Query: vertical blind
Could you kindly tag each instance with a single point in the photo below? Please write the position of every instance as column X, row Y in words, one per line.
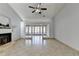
column 36, row 30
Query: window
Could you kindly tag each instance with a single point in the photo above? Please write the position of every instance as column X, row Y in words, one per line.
column 36, row 29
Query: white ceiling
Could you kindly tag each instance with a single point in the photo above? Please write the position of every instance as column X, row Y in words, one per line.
column 26, row 13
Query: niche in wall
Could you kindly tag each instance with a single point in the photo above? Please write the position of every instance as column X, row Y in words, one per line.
column 4, row 22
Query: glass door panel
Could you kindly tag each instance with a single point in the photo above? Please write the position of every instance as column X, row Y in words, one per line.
column 36, row 30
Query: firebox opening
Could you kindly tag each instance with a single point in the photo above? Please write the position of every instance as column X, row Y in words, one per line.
column 5, row 38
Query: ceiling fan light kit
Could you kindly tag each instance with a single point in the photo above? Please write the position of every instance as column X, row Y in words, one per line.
column 38, row 9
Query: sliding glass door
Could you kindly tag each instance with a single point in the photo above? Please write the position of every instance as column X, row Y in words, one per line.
column 36, row 30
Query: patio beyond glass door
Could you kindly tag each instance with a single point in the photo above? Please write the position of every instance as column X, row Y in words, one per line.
column 32, row 30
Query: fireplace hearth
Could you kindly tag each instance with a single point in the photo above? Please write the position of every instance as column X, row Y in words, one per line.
column 5, row 38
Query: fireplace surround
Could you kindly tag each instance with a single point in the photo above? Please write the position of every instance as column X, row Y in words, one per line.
column 5, row 38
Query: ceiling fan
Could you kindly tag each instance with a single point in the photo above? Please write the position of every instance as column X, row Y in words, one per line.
column 38, row 8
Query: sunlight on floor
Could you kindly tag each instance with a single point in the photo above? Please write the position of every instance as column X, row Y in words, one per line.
column 36, row 40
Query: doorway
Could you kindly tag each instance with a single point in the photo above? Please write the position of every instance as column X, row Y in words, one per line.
column 36, row 30
column 36, row 33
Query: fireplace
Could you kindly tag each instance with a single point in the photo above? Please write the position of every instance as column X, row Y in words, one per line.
column 5, row 38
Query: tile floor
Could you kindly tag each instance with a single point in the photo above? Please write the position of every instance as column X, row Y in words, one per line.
column 47, row 47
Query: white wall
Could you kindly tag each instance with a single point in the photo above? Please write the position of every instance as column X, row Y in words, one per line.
column 67, row 25
column 7, row 11
column 3, row 21
column 22, row 29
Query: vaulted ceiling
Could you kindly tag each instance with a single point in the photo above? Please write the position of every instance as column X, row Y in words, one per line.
column 26, row 13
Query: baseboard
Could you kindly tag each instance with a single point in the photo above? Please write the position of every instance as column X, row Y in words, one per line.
column 48, row 38
column 16, row 39
column 67, row 45
column 43, row 38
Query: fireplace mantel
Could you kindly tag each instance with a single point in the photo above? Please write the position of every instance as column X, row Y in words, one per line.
column 5, row 31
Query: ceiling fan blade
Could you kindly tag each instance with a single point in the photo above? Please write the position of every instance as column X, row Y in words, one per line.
column 31, row 7
column 43, row 8
column 33, row 11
